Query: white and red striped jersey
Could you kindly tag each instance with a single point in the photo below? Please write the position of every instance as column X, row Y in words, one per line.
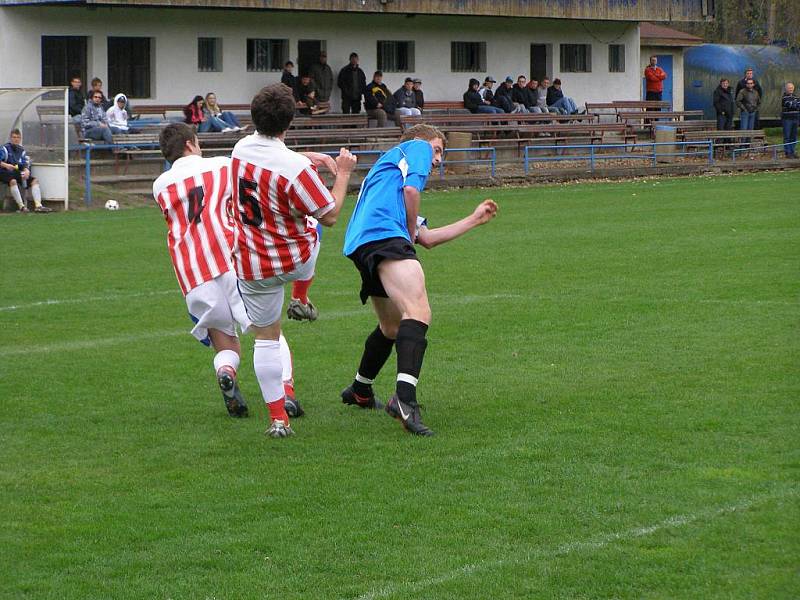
column 274, row 189
column 195, row 196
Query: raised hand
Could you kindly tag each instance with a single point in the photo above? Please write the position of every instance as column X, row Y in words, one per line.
column 485, row 211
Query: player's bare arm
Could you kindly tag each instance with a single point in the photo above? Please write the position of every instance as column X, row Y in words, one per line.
column 412, row 200
column 483, row 213
column 345, row 164
column 322, row 161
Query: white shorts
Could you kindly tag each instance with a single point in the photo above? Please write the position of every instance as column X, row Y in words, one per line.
column 263, row 298
column 216, row 304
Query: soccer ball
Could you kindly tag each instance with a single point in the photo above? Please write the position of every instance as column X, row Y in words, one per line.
column 112, row 205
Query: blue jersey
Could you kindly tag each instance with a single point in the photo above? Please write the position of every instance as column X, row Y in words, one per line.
column 380, row 211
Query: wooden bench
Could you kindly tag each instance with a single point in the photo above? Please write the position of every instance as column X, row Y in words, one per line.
column 444, row 106
column 507, row 120
column 728, row 139
column 647, row 120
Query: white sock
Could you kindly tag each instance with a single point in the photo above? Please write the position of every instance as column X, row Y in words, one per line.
column 17, row 196
column 286, row 360
column 36, row 192
column 267, row 365
column 226, row 358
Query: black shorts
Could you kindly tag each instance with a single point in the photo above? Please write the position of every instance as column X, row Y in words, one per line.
column 7, row 176
column 369, row 256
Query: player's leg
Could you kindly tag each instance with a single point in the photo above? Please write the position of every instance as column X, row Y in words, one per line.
column 36, row 194
column 377, row 349
column 16, row 193
column 292, row 405
column 226, row 366
column 404, row 282
column 300, row 307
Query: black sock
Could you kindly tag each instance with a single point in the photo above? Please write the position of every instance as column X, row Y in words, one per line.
column 411, row 344
column 377, row 350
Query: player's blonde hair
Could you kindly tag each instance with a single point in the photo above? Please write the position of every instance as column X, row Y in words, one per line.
column 425, row 132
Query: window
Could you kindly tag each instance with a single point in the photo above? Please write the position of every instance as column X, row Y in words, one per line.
column 468, row 56
column 209, row 54
column 62, row 57
column 576, row 58
column 616, row 58
column 267, row 55
column 396, row 57
column 129, row 66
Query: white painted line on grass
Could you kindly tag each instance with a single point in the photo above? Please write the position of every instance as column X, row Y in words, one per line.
column 597, row 543
column 86, row 299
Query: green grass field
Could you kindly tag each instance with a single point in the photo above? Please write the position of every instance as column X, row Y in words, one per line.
column 612, row 373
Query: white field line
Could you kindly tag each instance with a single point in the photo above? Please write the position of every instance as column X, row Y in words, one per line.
column 86, row 299
column 567, row 548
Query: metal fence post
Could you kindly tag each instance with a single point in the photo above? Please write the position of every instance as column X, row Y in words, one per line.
column 655, row 159
column 591, row 158
column 711, row 152
column 526, row 159
column 87, row 182
column 494, row 161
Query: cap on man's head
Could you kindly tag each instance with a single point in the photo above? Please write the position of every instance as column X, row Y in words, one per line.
column 509, row 79
column 491, row 79
column 409, row 80
column 417, row 80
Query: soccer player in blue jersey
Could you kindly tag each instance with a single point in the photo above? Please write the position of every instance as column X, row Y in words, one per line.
column 380, row 240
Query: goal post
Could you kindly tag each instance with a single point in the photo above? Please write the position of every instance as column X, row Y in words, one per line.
column 42, row 116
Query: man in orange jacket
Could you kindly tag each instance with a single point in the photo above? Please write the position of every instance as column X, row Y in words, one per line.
column 655, row 77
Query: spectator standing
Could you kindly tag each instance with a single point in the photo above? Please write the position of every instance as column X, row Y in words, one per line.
column 742, row 83
column 15, row 170
column 521, row 95
column 724, row 105
column 213, row 109
column 748, row 100
column 473, row 101
column 419, row 94
column 76, row 99
column 97, row 86
column 405, row 101
column 288, row 77
column 322, row 74
column 375, row 99
column 94, row 122
column 654, row 80
column 557, row 99
column 204, row 123
column 503, row 100
column 353, row 84
column 790, row 118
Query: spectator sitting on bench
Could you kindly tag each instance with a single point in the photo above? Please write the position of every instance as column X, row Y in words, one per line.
column 520, row 94
column 502, row 97
column 418, row 94
column 212, row 109
column 557, row 99
column 541, row 97
column 117, row 116
column 97, row 86
column 406, row 101
column 204, row 124
column 15, row 170
column 474, row 103
column 94, row 122
column 307, row 97
column 375, row 99
column 76, row 99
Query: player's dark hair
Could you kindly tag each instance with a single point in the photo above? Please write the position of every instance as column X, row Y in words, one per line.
column 96, row 80
column 425, row 132
column 75, row 76
column 15, row 131
column 272, row 109
column 173, row 138
column 353, row 54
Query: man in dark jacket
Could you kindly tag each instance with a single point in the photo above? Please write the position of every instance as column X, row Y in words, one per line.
column 748, row 100
column 15, row 170
column 724, row 105
column 375, row 99
column 405, row 101
column 790, row 118
column 353, row 84
column 322, row 74
column 742, row 84
column 522, row 95
column 288, row 78
column 473, row 101
column 76, row 98
column 419, row 94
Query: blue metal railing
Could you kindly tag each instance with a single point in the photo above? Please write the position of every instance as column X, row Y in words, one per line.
column 594, row 154
column 492, row 160
column 774, row 148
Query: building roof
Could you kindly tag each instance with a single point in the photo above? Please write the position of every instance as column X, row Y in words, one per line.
column 651, row 34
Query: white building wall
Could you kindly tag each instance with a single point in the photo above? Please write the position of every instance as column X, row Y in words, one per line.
column 676, row 81
column 175, row 78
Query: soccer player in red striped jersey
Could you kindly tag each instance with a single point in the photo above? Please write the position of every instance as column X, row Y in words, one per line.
column 274, row 190
column 195, row 197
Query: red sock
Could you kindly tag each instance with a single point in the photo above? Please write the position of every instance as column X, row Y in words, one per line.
column 300, row 290
column 288, row 389
column 277, row 410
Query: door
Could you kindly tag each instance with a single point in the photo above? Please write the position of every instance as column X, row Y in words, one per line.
column 665, row 62
column 539, row 61
column 63, row 57
column 308, row 54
